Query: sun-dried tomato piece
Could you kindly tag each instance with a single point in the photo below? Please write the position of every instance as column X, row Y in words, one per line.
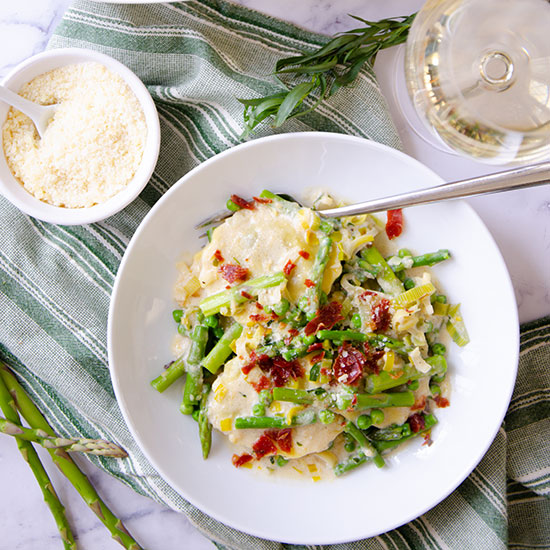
column 258, row 305
column 218, row 256
column 262, row 200
column 264, row 446
column 282, row 438
column 246, row 295
column 239, row 460
column 309, row 283
column 262, row 384
column 314, row 347
column 233, row 272
column 441, row 402
column 372, row 356
column 416, row 422
column 289, row 266
column 348, row 365
column 381, row 316
column 304, row 254
column 326, row 318
column 394, row 224
column 242, row 203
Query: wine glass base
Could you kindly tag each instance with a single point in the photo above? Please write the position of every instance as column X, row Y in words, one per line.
column 404, row 104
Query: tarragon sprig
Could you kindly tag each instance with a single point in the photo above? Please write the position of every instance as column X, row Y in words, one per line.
column 320, row 74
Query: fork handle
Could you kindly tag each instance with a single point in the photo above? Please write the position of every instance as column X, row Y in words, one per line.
column 517, row 178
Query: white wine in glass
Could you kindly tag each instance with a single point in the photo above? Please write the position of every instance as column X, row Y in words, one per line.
column 478, row 73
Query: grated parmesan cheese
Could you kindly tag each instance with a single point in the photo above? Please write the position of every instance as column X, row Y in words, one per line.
column 93, row 144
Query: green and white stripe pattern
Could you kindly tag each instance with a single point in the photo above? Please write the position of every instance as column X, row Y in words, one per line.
column 196, row 58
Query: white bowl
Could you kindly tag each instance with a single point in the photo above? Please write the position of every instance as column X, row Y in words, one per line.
column 16, row 193
column 365, row 502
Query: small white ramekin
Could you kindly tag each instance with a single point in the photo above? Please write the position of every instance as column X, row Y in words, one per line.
column 16, row 193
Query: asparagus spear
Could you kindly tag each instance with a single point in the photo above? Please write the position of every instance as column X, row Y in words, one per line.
column 170, row 375
column 429, row 422
column 366, row 446
column 292, row 395
column 240, row 293
column 65, row 463
column 222, row 350
column 92, row 446
column 431, row 258
column 205, row 428
column 313, row 293
column 260, row 422
column 193, row 380
column 351, row 463
column 29, row 454
column 376, row 383
column 385, row 277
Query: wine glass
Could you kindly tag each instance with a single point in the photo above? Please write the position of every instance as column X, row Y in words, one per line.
column 478, row 75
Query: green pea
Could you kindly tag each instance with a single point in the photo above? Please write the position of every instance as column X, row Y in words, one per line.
column 349, row 446
column 438, row 378
column 326, row 416
column 176, row 314
column 441, row 298
column 377, row 416
column 404, row 252
column 218, row 332
column 413, row 385
column 435, row 389
column 281, row 308
column 438, row 349
column 356, row 321
column 230, row 205
column 258, row 410
column 364, row 422
column 211, row 321
column 406, row 430
column 409, row 283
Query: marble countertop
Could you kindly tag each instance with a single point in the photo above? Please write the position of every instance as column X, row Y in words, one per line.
column 519, row 222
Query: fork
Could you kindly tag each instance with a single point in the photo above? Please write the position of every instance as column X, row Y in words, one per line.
column 516, row 178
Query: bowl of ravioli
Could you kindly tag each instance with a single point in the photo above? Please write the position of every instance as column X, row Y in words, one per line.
column 294, row 384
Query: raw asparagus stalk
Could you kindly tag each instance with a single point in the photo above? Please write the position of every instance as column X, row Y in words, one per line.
column 30, row 456
column 92, row 446
column 240, row 293
column 65, row 463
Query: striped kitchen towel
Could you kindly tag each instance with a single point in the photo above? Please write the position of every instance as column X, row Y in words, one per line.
column 196, row 57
